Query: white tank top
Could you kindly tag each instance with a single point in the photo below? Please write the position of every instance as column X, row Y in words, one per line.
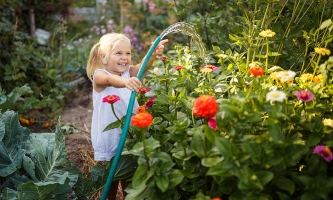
column 105, row 143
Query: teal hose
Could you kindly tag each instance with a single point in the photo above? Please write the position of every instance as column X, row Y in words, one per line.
column 127, row 122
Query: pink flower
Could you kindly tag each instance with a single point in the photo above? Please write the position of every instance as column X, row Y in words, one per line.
column 324, row 152
column 111, row 99
column 143, row 90
column 178, row 67
column 164, row 58
column 212, row 123
column 212, row 67
column 304, row 95
column 150, row 102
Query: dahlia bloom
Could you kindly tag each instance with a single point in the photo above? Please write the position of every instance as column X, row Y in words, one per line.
column 324, row 151
column 205, row 106
column 304, row 95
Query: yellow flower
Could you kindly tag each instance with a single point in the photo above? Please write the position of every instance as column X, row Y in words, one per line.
column 328, row 122
column 322, row 51
column 318, row 78
column 267, row 33
column 306, row 77
column 206, row 70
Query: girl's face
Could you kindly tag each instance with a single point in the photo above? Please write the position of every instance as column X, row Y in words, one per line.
column 119, row 58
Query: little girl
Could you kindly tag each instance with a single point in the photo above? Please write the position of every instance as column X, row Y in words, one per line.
column 110, row 71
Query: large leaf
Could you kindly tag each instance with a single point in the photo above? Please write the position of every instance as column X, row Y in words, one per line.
column 12, row 145
column 54, row 174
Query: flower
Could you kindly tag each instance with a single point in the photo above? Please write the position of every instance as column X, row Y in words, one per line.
column 142, row 120
column 306, row 77
column 141, row 109
column 164, row 58
column 318, row 78
column 208, row 68
column 216, row 198
column 324, row 152
column 267, row 33
column 286, row 76
column 157, row 71
column 111, row 99
column 143, row 90
column 328, row 122
column 322, row 51
column 179, row 67
column 256, row 70
column 205, row 106
column 276, row 96
column 304, row 95
column 150, row 102
column 212, row 123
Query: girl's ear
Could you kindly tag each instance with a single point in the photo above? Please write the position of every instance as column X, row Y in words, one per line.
column 102, row 57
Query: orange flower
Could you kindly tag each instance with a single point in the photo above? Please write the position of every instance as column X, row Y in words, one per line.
column 257, row 70
column 216, row 198
column 31, row 120
column 142, row 120
column 205, row 106
column 141, row 109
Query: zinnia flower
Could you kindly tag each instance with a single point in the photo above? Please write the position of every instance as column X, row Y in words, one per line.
column 276, row 96
column 324, row 152
column 150, row 102
column 328, row 122
column 157, row 71
column 179, row 67
column 111, row 99
column 142, row 120
column 306, row 77
column 212, row 123
column 208, row 68
column 267, row 33
column 216, row 198
column 164, row 58
column 318, row 78
column 143, row 90
column 205, row 106
column 141, row 109
column 322, row 51
column 304, row 95
column 256, row 70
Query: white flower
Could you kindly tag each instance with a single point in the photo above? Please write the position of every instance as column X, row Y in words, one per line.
column 157, row 71
column 276, row 96
column 328, row 122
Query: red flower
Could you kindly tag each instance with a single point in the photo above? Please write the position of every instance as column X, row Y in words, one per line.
column 212, row 123
column 164, row 58
column 142, row 120
column 212, row 67
column 205, row 106
column 256, row 70
column 143, row 90
column 149, row 103
column 216, row 198
column 111, row 99
column 178, row 67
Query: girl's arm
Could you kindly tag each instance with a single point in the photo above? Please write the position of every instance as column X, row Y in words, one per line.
column 103, row 80
column 158, row 51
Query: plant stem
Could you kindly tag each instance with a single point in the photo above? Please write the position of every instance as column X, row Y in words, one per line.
column 144, row 147
column 116, row 115
column 267, row 49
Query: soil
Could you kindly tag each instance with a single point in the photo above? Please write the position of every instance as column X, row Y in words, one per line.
column 76, row 123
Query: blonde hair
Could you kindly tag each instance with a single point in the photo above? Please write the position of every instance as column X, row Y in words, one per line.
column 104, row 47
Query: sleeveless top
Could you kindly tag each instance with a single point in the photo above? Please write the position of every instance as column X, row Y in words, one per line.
column 105, row 143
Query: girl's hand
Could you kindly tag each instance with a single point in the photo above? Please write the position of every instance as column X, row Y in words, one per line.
column 133, row 84
column 160, row 48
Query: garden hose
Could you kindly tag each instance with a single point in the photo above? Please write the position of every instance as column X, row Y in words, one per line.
column 127, row 122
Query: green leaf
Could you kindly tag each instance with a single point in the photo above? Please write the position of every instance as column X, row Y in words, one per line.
column 265, row 177
column 325, row 24
column 200, row 145
column 162, row 182
column 9, row 194
column 285, row 184
column 116, row 124
column 141, row 176
column 226, row 147
column 211, row 161
column 175, row 177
